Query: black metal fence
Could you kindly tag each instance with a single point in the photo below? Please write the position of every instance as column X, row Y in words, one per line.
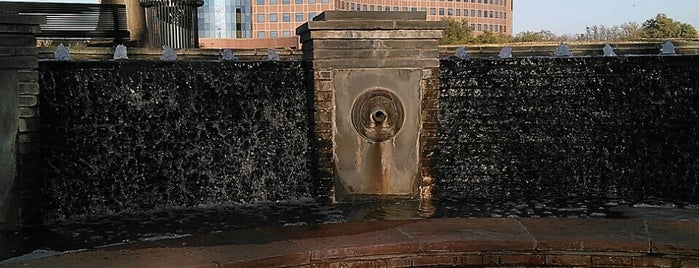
column 172, row 22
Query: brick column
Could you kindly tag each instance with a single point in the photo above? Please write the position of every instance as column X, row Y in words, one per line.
column 20, row 181
column 354, row 52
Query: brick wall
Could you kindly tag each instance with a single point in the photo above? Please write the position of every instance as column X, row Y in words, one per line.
column 20, row 184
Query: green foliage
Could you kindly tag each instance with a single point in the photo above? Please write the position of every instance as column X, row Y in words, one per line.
column 664, row 27
column 539, row 36
column 456, row 33
column 489, row 37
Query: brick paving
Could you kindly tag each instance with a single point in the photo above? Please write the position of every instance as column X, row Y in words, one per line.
column 486, row 242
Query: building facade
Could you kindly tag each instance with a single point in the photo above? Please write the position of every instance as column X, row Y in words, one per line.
column 272, row 23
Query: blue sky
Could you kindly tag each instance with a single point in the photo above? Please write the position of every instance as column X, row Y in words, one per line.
column 572, row 16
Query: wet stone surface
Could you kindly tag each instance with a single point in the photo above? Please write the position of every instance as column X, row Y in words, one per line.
column 92, row 232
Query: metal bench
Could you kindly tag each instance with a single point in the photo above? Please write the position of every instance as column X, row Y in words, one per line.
column 75, row 21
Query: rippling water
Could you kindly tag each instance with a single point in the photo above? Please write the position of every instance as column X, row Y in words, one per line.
column 169, row 223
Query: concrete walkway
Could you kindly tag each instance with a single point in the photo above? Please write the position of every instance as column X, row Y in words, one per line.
column 487, row 242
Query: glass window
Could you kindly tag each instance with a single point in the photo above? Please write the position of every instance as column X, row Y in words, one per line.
column 286, row 33
column 395, row 9
column 491, row 14
column 413, row 9
column 352, row 6
column 480, row 27
column 298, row 1
column 466, row 12
column 260, row 17
column 364, row 7
column 480, row 13
column 273, row 34
column 458, row 12
column 372, row 8
column 325, row 1
column 473, row 12
column 450, row 12
column 311, row 1
column 405, row 9
column 423, row 9
column 379, row 8
column 273, row 17
column 286, row 2
column 388, row 8
column 433, row 11
column 272, row 2
column 260, row 2
column 441, row 11
column 261, row 34
column 299, row 16
column 286, row 17
column 311, row 15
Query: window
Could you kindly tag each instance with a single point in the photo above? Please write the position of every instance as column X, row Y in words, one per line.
column 273, row 34
column 395, row 8
column 286, row 17
column 260, row 2
column 372, row 8
column 480, row 13
column 379, row 8
column 480, row 27
column 260, row 18
column 466, row 12
column 298, row 1
column 423, row 9
column 473, row 12
column 405, row 9
column 273, row 17
column 364, row 7
column 311, row 1
column 441, row 11
column 450, row 12
column 497, row 15
column 413, row 9
column 433, row 11
column 260, row 34
column 272, row 2
column 387, row 8
column 473, row 26
column 458, row 12
column 311, row 15
column 480, row 1
column 352, row 6
column 286, row 33
column 299, row 17
column 286, row 2
column 324, row 1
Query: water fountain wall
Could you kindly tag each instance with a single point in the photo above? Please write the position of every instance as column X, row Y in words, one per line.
column 129, row 136
column 374, row 79
column 623, row 126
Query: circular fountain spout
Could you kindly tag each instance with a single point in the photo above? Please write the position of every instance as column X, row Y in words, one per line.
column 379, row 116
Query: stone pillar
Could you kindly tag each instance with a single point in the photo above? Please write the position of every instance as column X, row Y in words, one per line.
column 375, row 101
column 19, row 120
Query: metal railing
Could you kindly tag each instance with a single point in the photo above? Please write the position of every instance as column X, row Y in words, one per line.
column 172, row 22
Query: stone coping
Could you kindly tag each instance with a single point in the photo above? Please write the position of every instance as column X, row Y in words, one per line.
column 483, row 242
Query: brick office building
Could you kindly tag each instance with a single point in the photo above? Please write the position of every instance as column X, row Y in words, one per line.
column 271, row 23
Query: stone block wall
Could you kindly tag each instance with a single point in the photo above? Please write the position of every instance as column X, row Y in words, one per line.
column 621, row 126
column 379, row 42
column 20, row 183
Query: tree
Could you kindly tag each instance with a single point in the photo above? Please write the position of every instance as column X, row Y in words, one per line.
column 539, row 36
column 456, row 33
column 664, row 27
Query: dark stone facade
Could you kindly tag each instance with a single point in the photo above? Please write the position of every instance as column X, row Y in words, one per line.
column 130, row 136
column 624, row 126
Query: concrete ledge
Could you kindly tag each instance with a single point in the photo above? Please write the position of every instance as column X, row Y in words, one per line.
column 443, row 242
